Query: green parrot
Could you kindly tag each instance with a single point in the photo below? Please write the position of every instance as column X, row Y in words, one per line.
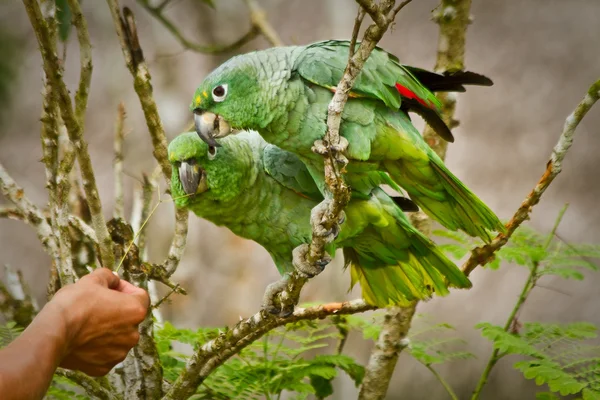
column 284, row 92
column 263, row 193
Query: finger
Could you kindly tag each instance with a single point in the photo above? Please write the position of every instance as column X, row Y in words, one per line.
column 105, row 277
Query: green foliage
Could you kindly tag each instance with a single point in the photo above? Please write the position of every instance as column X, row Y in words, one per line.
column 436, row 343
column 63, row 389
column 9, row 332
column 560, row 356
column 528, row 247
column 268, row 367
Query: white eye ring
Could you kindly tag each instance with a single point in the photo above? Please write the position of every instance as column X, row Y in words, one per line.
column 212, row 152
column 219, row 92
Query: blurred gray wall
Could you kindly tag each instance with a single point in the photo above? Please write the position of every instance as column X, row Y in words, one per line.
column 542, row 56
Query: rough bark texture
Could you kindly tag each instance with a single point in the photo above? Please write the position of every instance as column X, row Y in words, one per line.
column 453, row 17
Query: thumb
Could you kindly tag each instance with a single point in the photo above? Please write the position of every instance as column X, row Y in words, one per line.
column 104, row 277
column 140, row 294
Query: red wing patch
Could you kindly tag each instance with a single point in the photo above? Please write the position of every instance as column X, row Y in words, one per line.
column 409, row 94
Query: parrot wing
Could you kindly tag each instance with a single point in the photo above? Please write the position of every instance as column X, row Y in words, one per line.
column 287, row 169
column 382, row 77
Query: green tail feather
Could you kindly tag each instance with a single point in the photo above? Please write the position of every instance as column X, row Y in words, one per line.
column 460, row 208
column 423, row 270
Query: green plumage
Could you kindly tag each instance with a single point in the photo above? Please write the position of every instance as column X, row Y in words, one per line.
column 265, row 194
column 283, row 93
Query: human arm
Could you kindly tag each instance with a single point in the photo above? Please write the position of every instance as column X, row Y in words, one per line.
column 88, row 326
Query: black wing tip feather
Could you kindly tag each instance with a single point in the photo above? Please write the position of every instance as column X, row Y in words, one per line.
column 405, row 204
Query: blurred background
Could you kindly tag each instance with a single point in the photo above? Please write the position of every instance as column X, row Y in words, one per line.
column 541, row 54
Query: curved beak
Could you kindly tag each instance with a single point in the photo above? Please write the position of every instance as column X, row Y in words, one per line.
column 192, row 178
column 210, row 126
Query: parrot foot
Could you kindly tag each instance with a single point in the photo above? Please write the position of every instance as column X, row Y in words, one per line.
column 319, row 147
column 277, row 299
column 305, row 267
column 317, row 216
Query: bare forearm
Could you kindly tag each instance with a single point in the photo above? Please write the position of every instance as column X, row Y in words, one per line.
column 28, row 363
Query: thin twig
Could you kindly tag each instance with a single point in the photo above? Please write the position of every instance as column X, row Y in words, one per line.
column 178, row 243
column 91, row 386
column 215, row 352
column 259, row 20
column 157, row 12
column 54, row 70
column 85, row 59
column 445, row 384
column 511, row 321
column 16, row 302
column 32, row 214
column 484, row 254
column 134, row 59
column 118, row 162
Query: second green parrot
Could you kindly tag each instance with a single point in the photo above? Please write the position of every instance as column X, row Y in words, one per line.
column 266, row 194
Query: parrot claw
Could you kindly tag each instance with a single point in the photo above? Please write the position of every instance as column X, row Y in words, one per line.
column 340, row 148
column 276, row 299
column 317, row 216
column 303, row 266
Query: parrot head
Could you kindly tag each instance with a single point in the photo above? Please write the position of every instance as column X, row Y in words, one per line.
column 228, row 100
column 202, row 169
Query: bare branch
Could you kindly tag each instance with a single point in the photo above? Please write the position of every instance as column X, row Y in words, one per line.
column 260, row 22
column 215, row 352
column 134, row 59
column 484, row 254
column 392, row 340
column 16, row 302
column 84, row 228
column 91, row 386
column 141, row 208
column 157, row 13
column 179, row 241
column 142, row 369
column 53, row 70
column 118, row 162
column 31, row 214
column 85, row 59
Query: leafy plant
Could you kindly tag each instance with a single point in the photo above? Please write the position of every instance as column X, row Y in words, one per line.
column 268, row 368
column 558, row 355
column 9, row 332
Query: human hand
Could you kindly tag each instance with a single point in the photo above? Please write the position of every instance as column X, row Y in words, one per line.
column 101, row 313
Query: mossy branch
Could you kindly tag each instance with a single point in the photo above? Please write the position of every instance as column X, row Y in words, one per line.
column 53, row 70
column 215, row 352
column 134, row 59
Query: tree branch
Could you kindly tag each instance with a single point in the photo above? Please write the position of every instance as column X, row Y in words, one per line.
column 451, row 52
column 91, row 386
column 31, row 214
column 484, row 254
column 259, row 20
column 16, row 302
column 215, row 352
column 53, row 71
column 512, row 318
column 259, row 26
column 119, row 211
column 134, row 59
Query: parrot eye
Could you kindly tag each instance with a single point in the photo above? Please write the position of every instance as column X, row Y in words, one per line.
column 212, row 152
column 219, row 93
